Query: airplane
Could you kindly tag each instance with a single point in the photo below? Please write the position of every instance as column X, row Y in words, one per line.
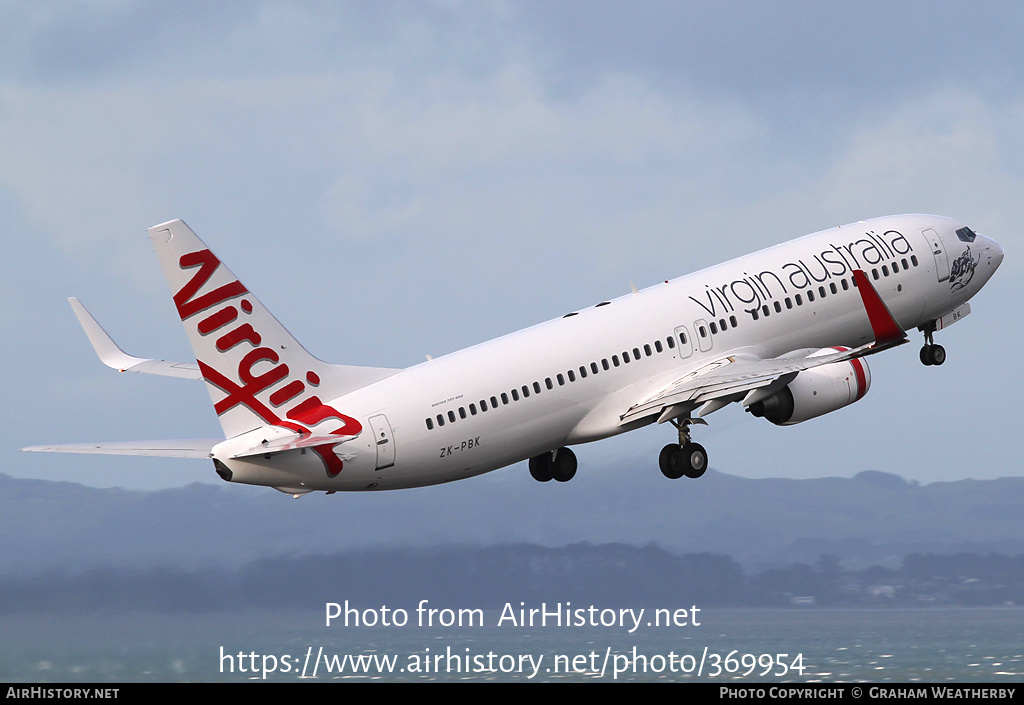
column 783, row 332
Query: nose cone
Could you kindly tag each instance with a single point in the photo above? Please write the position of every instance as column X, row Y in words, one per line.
column 989, row 255
column 997, row 254
column 992, row 253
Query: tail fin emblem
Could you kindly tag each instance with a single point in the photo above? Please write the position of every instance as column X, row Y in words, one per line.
column 243, row 385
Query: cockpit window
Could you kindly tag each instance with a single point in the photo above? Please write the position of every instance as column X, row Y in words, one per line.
column 966, row 234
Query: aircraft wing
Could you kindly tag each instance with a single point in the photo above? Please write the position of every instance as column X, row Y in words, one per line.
column 751, row 379
column 736, row 378
column 188, row 448
column 113, row 356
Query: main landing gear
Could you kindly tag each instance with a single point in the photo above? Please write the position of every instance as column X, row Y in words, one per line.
column 685, row 457
column 558, row 465
column 931, row 354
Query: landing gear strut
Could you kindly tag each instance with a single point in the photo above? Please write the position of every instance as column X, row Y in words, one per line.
column 558, row 465
column 931, row 354
column 685, row 457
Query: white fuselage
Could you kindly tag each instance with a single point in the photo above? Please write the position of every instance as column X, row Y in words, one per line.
column 438, row 421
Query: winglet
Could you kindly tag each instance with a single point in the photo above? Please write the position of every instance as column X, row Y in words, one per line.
column 107, row 350
column 113, row 356
column 884, row 325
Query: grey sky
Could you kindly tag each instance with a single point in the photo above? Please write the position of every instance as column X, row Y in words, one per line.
column 397, row 179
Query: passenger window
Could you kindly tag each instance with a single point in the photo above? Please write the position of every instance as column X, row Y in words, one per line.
column 430, row 424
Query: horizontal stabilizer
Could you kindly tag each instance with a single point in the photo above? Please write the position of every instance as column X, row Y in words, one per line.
column 184, row 448
column 292, row 442
column 113, row 356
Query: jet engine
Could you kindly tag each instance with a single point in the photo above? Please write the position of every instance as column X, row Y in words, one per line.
column 816, row 391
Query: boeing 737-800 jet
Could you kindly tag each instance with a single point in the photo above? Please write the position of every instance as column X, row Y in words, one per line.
column 783, row 332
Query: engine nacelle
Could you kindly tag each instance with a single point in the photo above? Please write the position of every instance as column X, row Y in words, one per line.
column 816, row 391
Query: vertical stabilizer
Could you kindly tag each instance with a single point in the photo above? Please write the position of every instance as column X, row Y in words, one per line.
column 256, row 372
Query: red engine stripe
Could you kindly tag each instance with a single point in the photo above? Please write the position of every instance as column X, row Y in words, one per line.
column 858, row 369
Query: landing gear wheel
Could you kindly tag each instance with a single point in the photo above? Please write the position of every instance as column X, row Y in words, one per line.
column 694, row 460
column 563, row 467
column 933, row 354
column 540, row 467
column 669, row 461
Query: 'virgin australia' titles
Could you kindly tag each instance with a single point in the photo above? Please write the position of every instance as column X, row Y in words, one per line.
column 751, row 291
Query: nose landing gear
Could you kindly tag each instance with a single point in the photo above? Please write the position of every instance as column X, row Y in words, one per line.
column 684, row 458
column 931, row 354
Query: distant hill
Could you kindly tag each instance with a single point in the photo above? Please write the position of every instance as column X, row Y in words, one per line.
column 873, row 518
